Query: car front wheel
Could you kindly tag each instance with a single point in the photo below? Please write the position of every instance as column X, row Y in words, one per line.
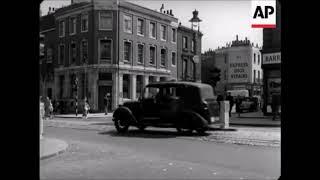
column 122, row 126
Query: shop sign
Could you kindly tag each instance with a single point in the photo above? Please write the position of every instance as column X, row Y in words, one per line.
column 271, row 58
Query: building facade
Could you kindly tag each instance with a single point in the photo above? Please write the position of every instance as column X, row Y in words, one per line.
column 189, row 54
column 271, row 63
column 240, row 65
column 189, row 51
column 111, row 47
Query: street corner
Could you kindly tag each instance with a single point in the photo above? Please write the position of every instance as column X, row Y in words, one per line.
column 50, row 147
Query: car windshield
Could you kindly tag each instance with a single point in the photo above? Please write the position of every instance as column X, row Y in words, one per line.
column 151, row 92
column 207, row 93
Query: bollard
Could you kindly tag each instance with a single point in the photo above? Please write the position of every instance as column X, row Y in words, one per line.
column 224, row 114
column 41, row 119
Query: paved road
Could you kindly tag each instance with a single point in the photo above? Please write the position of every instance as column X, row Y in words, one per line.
column 153, row 155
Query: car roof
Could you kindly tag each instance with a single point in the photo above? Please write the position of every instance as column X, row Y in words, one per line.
column 177, row 84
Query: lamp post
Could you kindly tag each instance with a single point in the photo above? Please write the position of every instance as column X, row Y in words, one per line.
column 195, row 22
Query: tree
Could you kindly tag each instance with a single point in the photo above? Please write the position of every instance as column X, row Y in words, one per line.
column 214, row 76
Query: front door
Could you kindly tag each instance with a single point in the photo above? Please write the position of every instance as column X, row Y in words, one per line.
column 103, row 90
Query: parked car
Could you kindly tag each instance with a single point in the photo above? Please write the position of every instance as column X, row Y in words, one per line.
column 181, row 105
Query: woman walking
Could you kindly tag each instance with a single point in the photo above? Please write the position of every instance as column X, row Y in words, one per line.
column 86, row 108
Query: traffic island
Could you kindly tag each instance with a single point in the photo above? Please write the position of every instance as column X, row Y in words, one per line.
column 50, row 147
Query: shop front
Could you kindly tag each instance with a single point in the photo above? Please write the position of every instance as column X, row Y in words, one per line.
column 271, row 66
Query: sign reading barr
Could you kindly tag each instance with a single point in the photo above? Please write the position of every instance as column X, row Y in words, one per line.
column 271, row 58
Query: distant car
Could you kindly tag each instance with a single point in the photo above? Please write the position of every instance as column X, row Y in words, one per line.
column 181, row 105
column 249, row 104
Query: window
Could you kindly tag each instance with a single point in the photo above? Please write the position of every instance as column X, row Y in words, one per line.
column 184, row 69
column 73, row 52
column 105, row 21
column 127, row 51
column 153, row 30
column 61, row 84
column 140, row 27
column 84, row 51
column 105, row 49
column 140, row 53
column 173, row 59
column 127, row 23
column 73, row 25
column 254, row 58
column 62, row 28
column 254, row 76
column 192, row 46
column 163, row 57
column 125, row 86
column 163, row 32
column 174, row 35
column 61, row 54
column 49, row 55
column 192, row 69
column 185, row 42
column 84, row 22
column 152, row 55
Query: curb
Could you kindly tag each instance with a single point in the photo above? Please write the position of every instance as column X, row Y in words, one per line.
column 55, row 153
column 255, row 125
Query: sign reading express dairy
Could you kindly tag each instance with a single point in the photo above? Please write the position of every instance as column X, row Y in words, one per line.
column 239, row 72
column 271, row 58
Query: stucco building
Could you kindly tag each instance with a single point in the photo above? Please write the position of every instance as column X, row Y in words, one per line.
column 240, row 65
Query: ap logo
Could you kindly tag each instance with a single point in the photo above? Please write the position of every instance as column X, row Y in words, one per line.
column 263, row 14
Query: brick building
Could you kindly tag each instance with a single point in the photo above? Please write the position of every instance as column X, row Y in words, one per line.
column 110, row 47
column 189, row 52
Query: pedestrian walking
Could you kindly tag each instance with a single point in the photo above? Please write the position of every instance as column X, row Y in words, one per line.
column 231, row 102
column 219, row 98
column 46, row 108
column 275, row 106
column 238, row 103
column 106, row 103
column 76, row 106
column 86, row 108
column 50, row 109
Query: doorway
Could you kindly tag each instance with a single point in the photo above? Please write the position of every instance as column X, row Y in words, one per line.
column 103, row 90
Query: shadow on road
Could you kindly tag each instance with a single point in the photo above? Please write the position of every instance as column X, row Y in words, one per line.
column 151, row 134
column 104, row 124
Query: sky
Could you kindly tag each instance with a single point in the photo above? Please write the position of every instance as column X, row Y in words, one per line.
column 222, row 20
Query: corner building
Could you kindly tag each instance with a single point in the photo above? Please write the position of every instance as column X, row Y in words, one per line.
column 111, row 47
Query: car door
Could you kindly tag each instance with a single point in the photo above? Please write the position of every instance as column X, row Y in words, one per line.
column 168, row 105
column 150, row 108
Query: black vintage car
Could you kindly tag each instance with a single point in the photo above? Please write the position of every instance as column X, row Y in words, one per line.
column 181, row 105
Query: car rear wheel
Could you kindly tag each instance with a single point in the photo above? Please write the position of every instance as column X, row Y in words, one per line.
column 122, row 126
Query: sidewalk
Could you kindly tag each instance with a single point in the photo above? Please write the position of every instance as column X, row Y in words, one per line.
column 254, row 119
column 90, row 115
column 50, row 147
column 246, row 119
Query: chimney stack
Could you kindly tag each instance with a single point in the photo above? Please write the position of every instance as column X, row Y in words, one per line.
column 171, row 12
column 49, row 10
column 237, row 37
